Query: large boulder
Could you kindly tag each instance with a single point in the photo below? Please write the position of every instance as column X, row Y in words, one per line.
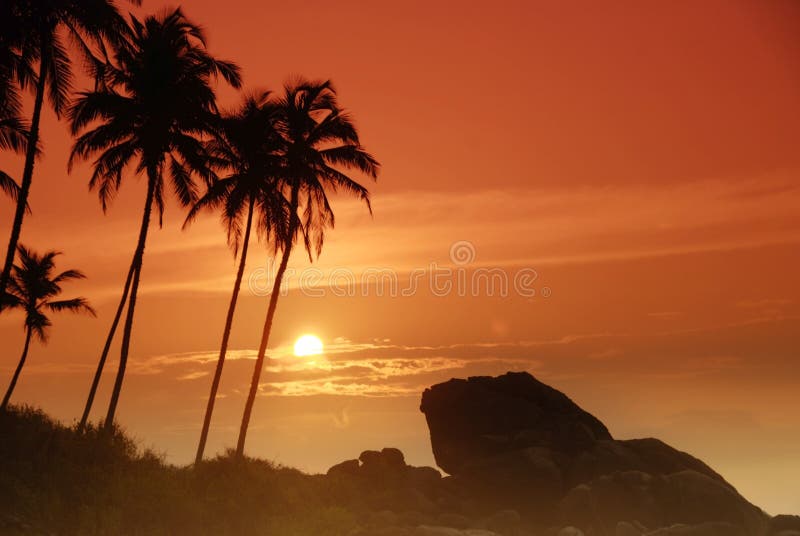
column 703, row 529
column 471, row 420
column 688, row 501
column 514, row 442
column 384, row 482
column 784, row 525
column 648, row 455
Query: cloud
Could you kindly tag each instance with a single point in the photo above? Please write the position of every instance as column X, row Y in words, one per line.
column 382, row 369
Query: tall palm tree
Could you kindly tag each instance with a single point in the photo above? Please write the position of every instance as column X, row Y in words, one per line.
column 151, row 112
column 248, row 149
column 14, row 71
column 321, row 144
column 33, row 288
column 36, row 31
column 13, row 131
column 13, row 137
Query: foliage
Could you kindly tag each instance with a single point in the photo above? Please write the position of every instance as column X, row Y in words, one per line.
column 58, row 481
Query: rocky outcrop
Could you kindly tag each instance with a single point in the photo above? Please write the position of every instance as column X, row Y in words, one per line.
column 385, row 483
column 514, row 442
column 684, row 498
column 784, row 526
column 525, row 460
column 647, row 455
column 472, row 420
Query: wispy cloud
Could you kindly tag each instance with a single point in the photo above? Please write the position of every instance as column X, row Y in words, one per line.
column 377, row 368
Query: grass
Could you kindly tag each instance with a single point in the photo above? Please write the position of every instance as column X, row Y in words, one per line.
column 54, row 480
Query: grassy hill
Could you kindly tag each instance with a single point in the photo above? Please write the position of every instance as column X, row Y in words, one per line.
column 56, row 481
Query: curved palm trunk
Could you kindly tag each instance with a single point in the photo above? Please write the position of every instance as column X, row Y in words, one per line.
column 262, row 349
column 136, row 268
column 27, row 172
column 19, row 369
column 101, row 364
column 225, row 337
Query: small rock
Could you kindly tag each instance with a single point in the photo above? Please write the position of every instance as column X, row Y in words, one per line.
column 704, row 529
column 393, row 457
column 784, row 525
column 348, row 468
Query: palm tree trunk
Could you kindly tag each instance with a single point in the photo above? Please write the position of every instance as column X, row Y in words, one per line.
column 27, row 172
column 19, row 369
column 136, row 268
column 101, row 364
column 273, row 305
column 225, row 337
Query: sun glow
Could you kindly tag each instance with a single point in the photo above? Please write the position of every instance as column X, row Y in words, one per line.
column 308, row 345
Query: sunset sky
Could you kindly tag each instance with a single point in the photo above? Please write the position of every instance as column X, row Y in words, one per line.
column 641, row 157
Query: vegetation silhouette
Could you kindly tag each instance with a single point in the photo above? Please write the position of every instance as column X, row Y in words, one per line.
column 13, row 130
column 155, row 104
column 319, row 138
column 153, row 112
column 58, row 480
column 247, row 147
column 32, row 288
column 34, row 34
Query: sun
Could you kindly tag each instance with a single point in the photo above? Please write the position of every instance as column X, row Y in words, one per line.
column 308, row 345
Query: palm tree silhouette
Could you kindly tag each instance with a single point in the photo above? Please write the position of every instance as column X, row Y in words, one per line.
column 13, row 131
column 153, row 108
column 320, row 140
column 32, row 288
column 14, row 137
column 35, row 36
column 248, row 148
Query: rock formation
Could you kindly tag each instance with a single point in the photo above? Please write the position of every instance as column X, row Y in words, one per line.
column 525, row 460
column 512, row 441
column 471, row 420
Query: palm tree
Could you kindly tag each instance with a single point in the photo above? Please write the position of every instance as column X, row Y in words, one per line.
column 13, row 131
column 155, row 105
column 320, row 144
column 13, row 71
column 12, row 136
column 32, row 288
column 248, row 148
column 35, row 35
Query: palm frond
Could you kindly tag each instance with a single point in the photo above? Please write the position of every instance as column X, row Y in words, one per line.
column 59, row 76
column 74, row 305
column 66, row 275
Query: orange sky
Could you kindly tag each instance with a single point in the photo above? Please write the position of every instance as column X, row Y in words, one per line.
column 641, row 157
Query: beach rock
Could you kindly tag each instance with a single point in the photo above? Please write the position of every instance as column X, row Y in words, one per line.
column 784, row 525
column 703, row 529
column 526, row 480
column 471, row 420
column 345, row 468
column 523, row 456
column 646, row 455
column 688, row 498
